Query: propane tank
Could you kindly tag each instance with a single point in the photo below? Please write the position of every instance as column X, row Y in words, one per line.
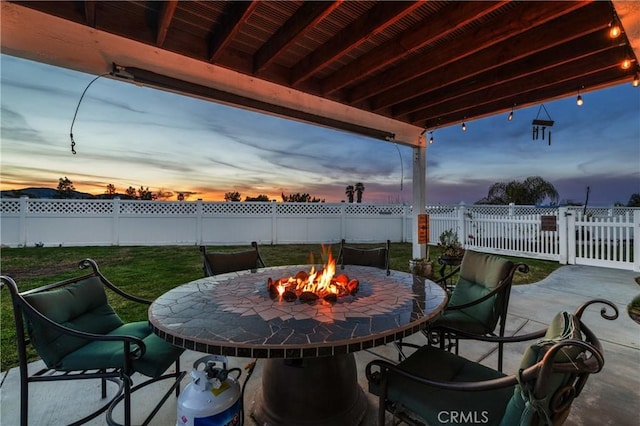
column 213, row 397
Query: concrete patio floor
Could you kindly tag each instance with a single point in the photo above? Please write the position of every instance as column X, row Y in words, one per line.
column 611, row 397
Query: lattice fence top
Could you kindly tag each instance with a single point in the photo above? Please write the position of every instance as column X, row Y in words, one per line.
column 237, row 209
column 374, row 210
column 10, row 206
column 157, row 208
column 308, row 209
column 100, row 207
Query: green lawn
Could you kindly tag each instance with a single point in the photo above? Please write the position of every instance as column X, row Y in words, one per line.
column 150, row 271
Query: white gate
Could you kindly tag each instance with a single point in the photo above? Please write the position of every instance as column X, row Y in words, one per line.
column 603, row 240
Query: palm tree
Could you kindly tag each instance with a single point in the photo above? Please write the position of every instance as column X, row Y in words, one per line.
column 359, row 190
column 533, row 190
column 349, row 191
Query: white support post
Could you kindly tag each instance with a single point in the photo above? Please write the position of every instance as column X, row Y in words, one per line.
column 563, row 234
column 419, row 196
column 636, row 240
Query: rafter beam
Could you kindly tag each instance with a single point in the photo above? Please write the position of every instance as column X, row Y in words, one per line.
column 237, row 13
column 90, row 13
column 492, row 102
column 490, row 63
column 409, row 41
column 376, row 20
column 527, row 14
column 164, row 20
column 308, row 16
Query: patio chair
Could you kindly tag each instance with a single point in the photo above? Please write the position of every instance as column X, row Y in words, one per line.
column 215, row 263
column 377, row 257
column 79, row 336
column 478, row 303
column 434, row 386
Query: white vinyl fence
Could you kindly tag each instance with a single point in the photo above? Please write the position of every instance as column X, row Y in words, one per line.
column 599, row 236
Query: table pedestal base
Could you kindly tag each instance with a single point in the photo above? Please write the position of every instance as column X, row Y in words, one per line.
column 310, row 391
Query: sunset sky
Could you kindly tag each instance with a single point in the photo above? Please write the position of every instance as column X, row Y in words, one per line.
column 136, row 136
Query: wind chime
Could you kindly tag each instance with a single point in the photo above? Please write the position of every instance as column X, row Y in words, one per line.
column 540, row 125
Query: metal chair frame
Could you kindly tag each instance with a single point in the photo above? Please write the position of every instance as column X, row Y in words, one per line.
column 350, row 255
column 133, row 347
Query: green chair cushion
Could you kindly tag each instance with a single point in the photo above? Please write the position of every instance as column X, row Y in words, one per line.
column 563, row 326
column 480, row 273
column 436, row 406
column 158, row 357
column 81, row 306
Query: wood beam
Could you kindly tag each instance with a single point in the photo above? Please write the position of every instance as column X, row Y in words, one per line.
column 528, row 15
column 409, row 41
column 236, row 14
column 513, row 50
column 308, row 16
column 376, row 20
column 90, row 13
column 487, row 106
column 527, row 68
column 164, row 20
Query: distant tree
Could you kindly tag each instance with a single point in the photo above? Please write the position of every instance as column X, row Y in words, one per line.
column 533, row 190
column 145, row 194
column 634, row 200
column 65, row 188
column 180, row 196
column 300, row 198
column 260, row 197
column 162, row 195
column 111, row 189
column 349, row 191
column 131, row 193
column 359, row 190
column 232, row 196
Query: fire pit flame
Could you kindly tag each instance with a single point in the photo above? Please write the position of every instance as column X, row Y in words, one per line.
column 314, row 285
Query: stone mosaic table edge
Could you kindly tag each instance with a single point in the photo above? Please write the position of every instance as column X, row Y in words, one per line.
column 218, row 325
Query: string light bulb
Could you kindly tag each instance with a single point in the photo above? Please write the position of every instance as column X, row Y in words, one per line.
column 579, row 100
column 431, row 138
column 510, row 117
column 464, row 127
column 636, row 79
column 614, row 29
column 626, row 64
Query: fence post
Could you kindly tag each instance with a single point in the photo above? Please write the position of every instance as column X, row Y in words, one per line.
column 462, row 232
column 636, row 240
column 199, row 219
column 22, row 238
column 566, row 236
column 274, row 222
column 343, row 220
column 115, row 223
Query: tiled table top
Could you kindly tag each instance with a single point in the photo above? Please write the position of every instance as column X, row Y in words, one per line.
column 233, row 314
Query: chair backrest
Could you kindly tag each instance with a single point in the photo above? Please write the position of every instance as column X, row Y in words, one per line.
column 481, row 274
column 79, row 304
column 553, row 372
column 215, row 263
column 377, row 257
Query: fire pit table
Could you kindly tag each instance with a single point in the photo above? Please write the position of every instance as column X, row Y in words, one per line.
column 309, row 376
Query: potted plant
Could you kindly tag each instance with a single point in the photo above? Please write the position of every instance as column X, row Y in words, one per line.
column 422, row 266
column 450, row 247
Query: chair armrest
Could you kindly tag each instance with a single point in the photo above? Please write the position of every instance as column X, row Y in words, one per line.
column 90, row 263
column 383, row 366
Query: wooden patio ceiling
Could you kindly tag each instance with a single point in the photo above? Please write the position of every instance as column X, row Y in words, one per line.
column 425, row 64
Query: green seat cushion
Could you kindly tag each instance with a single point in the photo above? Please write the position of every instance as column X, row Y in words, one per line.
column 563, row 326
column 158, row 357
column 81, row 306
column 480, row 273
column 434, row 405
